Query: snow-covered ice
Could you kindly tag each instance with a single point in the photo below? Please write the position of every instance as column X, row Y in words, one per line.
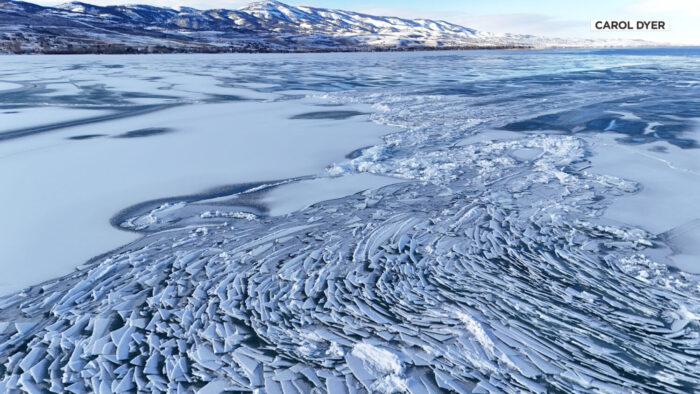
column 668, row 203
column 9, row 86
column 295, row 196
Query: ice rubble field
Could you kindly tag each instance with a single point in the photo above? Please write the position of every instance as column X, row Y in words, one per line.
column 526, row 219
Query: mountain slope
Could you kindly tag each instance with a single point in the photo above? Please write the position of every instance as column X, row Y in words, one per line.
column 259, row 27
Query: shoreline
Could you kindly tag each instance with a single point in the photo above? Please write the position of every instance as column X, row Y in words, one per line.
column 162, row 50
column 214, row 51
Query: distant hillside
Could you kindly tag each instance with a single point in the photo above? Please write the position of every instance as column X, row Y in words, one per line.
column 265, row 26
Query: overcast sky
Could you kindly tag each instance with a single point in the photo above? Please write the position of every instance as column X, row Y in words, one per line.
column 554, row 18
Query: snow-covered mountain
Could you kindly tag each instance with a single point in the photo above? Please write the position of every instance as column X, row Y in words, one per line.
column 261, row 26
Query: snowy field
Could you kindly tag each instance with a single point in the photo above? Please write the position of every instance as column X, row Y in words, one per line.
column 479, row 221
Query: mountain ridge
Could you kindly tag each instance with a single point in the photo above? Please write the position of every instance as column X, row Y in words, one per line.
column 262, row 26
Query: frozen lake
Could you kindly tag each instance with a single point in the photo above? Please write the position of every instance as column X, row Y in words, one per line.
column 422, row 222
column 82, row 140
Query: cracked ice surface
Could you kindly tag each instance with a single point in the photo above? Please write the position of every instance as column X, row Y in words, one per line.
column 490, row 269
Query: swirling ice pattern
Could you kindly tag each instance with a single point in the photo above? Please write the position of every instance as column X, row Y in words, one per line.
column 489, row 270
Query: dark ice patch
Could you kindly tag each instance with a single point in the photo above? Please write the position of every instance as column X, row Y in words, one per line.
column 123, row 112
column 148, row 132
column 223, row 98
column 85, row 137
column 356, row 153
column 328, row 105
column 653, row 124
column 616, row 124
column 140, row 95
column 336, row 115
column 458, row 90
column 544, row 122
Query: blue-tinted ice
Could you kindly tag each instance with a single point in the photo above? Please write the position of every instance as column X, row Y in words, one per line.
column 536, row 232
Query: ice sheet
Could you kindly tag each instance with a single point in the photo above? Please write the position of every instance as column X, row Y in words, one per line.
column 8, row 85
column 25, row 118
column 670, row 186
column 298, row 195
